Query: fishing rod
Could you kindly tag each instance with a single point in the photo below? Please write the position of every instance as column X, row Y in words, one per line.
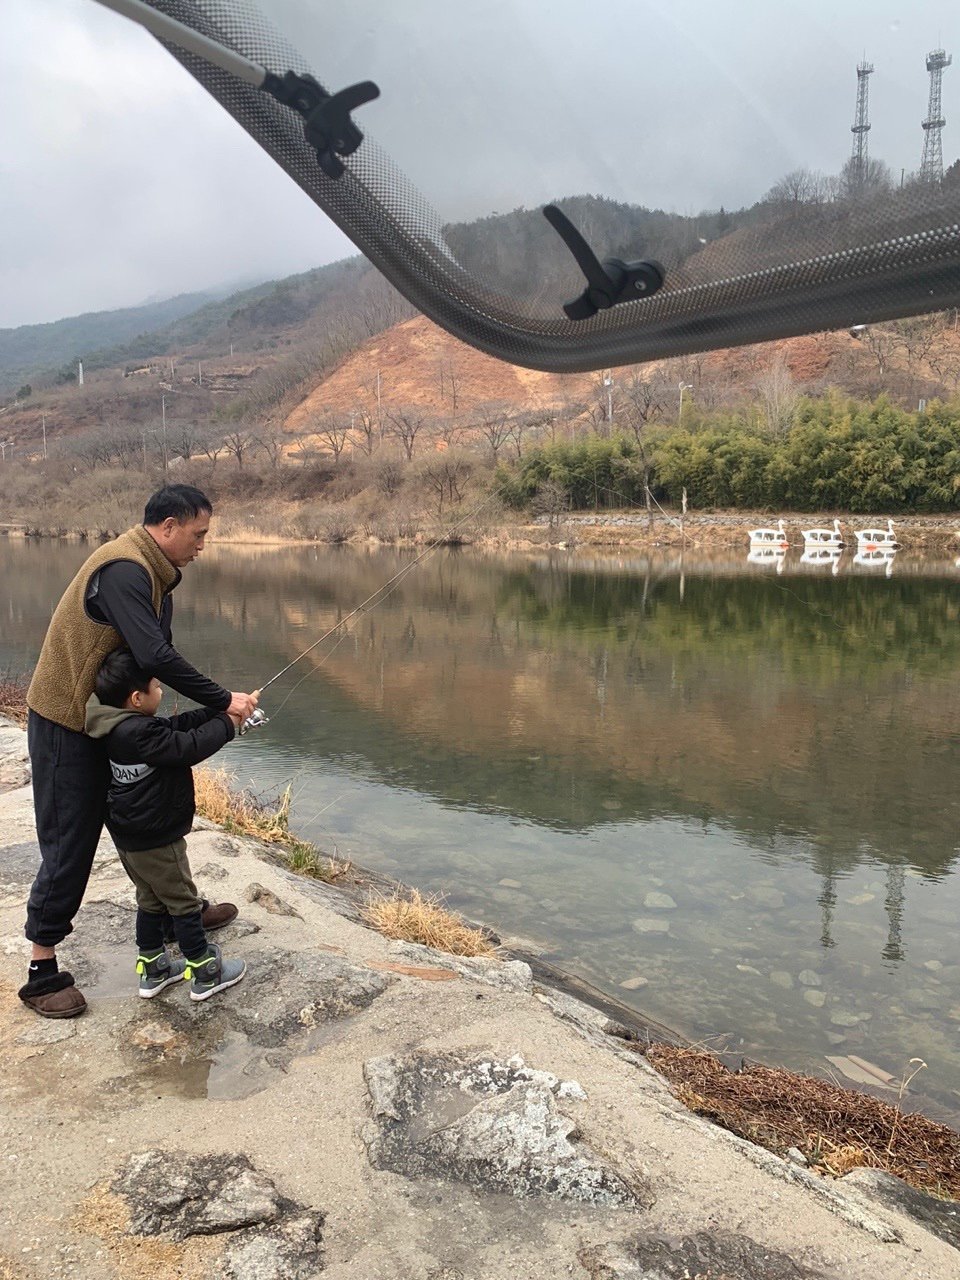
column 258, row 717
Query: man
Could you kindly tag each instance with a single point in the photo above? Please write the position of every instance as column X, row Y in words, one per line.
column 121, row 596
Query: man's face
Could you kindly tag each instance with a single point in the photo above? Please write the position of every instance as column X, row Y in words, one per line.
column 182, row 541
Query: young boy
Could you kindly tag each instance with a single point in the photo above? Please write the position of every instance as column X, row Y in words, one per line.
column 150, row 808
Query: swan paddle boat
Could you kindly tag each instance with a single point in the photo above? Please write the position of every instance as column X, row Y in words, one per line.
column 877, row 539
column 769, row 537
column 824, row 537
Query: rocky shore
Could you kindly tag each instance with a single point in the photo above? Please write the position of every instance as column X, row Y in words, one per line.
column 361, row 1109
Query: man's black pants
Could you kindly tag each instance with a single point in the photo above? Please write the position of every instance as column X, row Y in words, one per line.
column 71, row 773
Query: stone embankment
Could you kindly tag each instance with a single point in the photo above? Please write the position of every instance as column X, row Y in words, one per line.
column 716, row 531
column 359, row 1109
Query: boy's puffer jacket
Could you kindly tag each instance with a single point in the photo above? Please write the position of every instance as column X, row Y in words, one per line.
column 150, row 801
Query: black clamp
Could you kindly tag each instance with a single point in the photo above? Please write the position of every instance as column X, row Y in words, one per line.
column 609, row 282
column 327, row 124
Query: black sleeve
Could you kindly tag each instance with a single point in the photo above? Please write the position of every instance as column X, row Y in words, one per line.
column 123, row 598
column 188, row 720
column 154, row 740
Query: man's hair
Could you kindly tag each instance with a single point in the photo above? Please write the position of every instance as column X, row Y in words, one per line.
column 181, row 501
column 118, row 677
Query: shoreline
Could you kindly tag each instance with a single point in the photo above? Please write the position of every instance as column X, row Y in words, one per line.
column 591, row 531
column 450, row 1117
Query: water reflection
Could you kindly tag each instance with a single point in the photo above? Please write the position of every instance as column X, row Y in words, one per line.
column 822, row 556
column 769, row 556
column 773, row 753
column 876, row 558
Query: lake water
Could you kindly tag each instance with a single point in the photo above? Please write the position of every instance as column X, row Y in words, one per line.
column 732, row 788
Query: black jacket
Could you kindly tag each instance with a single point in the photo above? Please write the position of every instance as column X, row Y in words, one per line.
column 150, row 801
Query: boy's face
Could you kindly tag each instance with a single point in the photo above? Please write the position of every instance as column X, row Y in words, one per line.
column 147, row 702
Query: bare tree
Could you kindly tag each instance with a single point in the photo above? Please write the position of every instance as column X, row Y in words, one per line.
column 184, row 438
column 918, row 336
column 799, row 187
column 645, row 397
column 445, row 474
column 880, row 340
column 271, row 439
column 211, row 445
column 303, row 450
column 494, row 426
column 406, row 425
column 366, row 425
column 779, row 394
column 239, row 442
column 333, row 431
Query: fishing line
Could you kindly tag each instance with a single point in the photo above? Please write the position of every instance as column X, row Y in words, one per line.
column 368, row 605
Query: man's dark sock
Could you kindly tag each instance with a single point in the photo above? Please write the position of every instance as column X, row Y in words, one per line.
column 40, row 969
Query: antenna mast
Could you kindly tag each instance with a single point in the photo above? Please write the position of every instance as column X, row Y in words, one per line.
column 861, row 125
column 931, row 165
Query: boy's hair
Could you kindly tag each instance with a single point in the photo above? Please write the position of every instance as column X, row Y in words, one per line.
column 181, row 501
column 119, row 677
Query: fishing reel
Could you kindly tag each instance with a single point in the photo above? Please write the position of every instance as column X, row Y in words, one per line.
column 253, row 721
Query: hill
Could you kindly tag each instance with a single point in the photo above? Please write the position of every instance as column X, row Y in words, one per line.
column 33, row 347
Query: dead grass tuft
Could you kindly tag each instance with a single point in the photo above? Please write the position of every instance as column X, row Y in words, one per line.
column 106, row 1216
column 415, row 918
column 837, row 1129
column 13, row 698
column 243, row 814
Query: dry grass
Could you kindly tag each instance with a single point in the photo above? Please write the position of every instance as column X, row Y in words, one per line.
column 13, row 698
column 837, row 1129
column 243, row 814
column 415, row 918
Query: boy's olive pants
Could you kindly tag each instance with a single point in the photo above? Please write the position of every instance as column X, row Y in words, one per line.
column 164, row 885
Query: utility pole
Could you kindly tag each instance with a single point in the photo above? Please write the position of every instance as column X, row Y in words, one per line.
column 683, row 386
column 79, row 373
column 379, row 414
column 608, row 383
column 163, row 411
column 43, row 420
column 199, row 374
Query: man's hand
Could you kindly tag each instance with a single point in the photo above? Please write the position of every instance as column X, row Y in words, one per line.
column 243, row 704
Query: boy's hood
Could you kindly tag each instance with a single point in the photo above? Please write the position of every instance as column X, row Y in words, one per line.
column 102, row 719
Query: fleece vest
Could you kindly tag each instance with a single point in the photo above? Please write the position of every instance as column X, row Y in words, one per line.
column 76, row 644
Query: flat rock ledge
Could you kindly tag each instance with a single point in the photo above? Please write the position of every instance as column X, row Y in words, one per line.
column 175, row 1195
column 493, row 1125
column 705, row 1255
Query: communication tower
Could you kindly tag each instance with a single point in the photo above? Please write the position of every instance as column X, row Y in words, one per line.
column 931, row 165
column 861, row 125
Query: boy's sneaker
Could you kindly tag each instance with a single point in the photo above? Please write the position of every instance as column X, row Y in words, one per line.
column 212, row 974
column 158, row 973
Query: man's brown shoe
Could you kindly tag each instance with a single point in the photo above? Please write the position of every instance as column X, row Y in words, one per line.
column 54, row 997
column 216, row 915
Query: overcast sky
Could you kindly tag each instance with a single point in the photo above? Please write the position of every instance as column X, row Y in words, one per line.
column 122, row 180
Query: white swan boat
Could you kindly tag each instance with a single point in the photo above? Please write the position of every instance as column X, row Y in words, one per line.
column 769, row 537
column 877, row 539
column 824, row 537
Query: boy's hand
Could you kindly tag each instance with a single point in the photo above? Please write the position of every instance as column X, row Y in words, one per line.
column 236, row 720
column 243, row 704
